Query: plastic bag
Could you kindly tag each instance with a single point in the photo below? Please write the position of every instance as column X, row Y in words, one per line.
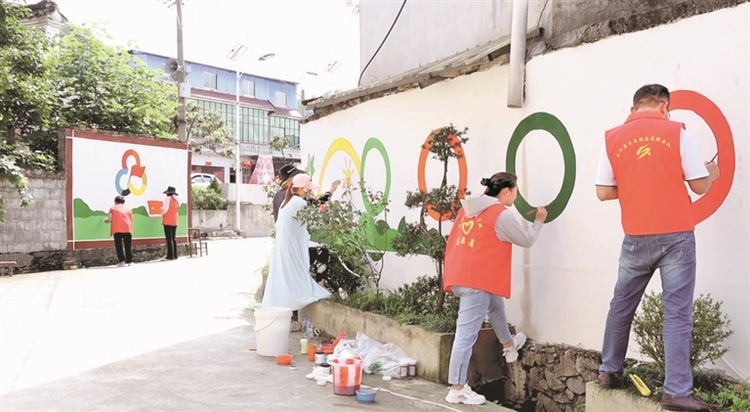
column 378, row 358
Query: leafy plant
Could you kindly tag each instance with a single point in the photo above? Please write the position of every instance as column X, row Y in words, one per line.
column 102, row 87
column 710, row 385
column 733, row 397
column 206, row 130
column 25, row 99
column 710, row 329
column 339, row 226
column 412, row 304
column 444, row 144
column 280, row 143
column 209, row 197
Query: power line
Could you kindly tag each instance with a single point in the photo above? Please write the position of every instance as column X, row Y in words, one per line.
column 382, row 43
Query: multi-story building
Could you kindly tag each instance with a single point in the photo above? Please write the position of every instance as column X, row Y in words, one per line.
column 267, row 108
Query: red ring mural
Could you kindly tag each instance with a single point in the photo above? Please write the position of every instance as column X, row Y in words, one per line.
column 712, row 115
column 462, row 171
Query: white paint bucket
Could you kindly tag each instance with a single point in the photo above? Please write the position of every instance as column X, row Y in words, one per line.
column 272, row 330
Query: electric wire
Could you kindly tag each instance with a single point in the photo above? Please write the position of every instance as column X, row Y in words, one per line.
column 382, row 43
column 528, row 51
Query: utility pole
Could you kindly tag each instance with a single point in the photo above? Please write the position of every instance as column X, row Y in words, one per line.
column 181, row 123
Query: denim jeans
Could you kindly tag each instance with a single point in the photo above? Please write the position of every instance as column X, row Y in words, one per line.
column 674, row 255
column 474, row 305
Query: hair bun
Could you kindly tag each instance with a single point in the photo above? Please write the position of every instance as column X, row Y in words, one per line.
column 485, row 182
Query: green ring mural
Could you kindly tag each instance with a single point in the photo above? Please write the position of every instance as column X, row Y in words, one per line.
column 553, row 126
column 370, row 144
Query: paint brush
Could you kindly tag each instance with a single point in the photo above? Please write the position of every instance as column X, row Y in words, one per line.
column 532, row 211
column 714, row 158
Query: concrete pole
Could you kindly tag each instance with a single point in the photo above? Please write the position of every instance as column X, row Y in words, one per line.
column 518, row 53
column 181, row 123
column 238, row 165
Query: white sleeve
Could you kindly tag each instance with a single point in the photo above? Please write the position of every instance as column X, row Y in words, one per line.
column 692, row 164
column 509, row 230
column 165, row 206
column 604, row 174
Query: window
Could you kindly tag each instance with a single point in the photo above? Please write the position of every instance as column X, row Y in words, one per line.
column 248, row 88
column 280, row 99
column 209, row 80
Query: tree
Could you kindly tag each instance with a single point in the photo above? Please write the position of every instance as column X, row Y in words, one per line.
column 444, row 144
column 102, row 87
column 207, row 130
column 25, row 96
column 280, row 143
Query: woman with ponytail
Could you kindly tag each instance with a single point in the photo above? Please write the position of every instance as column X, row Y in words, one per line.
column 477, row 270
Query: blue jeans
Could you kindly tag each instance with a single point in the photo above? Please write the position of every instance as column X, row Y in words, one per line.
column 674, row 255
column 474, row 304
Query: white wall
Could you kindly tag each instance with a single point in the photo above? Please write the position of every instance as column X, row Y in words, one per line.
column 562, row 286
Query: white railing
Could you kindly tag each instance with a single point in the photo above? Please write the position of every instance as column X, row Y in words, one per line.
column 257, row 149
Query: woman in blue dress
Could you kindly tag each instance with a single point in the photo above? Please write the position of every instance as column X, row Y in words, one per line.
column 289, row 281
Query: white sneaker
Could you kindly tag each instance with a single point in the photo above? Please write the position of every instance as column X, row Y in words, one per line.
column 465, row 395
column 121, row 265
column 511, row 354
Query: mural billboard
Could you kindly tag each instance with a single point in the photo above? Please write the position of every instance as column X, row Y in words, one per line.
column 102, row 166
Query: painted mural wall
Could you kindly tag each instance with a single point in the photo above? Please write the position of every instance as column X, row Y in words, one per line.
column 101, row 167
column 563, row 284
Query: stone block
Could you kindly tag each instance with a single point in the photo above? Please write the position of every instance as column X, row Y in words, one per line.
column 554, row 383
column 588, row 366
column 567, row 364
column 545, row 403
column 57, row 214
column 576, row 385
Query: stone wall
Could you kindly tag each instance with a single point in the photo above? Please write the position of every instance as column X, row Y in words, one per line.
column 546, row 378
column 41, row 225
column 46, row 260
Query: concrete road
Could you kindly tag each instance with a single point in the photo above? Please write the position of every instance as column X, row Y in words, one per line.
column 161, row 336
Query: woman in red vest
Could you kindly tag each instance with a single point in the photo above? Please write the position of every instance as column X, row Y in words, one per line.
column 121, row 219
column 477, row 270
column 169, row 214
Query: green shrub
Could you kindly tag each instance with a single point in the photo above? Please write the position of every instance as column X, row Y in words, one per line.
column 710, row 329
column 732, row 397
column 412, row 304
column 209, row 197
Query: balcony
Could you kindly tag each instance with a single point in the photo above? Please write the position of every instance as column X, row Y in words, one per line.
column 257, row 149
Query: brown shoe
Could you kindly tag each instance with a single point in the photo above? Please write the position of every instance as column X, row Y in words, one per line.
column 610, row 380
column 687, row 403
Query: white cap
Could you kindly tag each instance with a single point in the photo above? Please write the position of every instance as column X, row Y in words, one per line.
column 303, row 180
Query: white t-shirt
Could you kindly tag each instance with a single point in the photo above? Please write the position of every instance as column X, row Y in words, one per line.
column 692, row 164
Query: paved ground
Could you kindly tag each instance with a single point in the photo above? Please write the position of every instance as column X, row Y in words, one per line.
column 161, row 336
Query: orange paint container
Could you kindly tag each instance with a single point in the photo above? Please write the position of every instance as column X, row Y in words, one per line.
column 311, row 352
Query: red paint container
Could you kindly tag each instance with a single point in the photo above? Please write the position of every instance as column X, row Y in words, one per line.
column 347, row 376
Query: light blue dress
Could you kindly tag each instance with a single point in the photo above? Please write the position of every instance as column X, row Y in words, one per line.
column 289, row 281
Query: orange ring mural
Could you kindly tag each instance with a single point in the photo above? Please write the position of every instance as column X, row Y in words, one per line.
column 712, row 115
column 462, row 171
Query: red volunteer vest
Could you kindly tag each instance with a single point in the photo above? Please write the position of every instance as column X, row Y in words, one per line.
column 170, row 218
column 475, row 257
column 646, row 161
column 122, row 220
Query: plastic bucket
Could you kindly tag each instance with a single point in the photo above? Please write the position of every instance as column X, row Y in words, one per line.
column 272, row 330
column 347, row 376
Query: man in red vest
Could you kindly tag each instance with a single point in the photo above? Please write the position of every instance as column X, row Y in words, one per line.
column 121, row 219
column 644, row 163
column 477, row 271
